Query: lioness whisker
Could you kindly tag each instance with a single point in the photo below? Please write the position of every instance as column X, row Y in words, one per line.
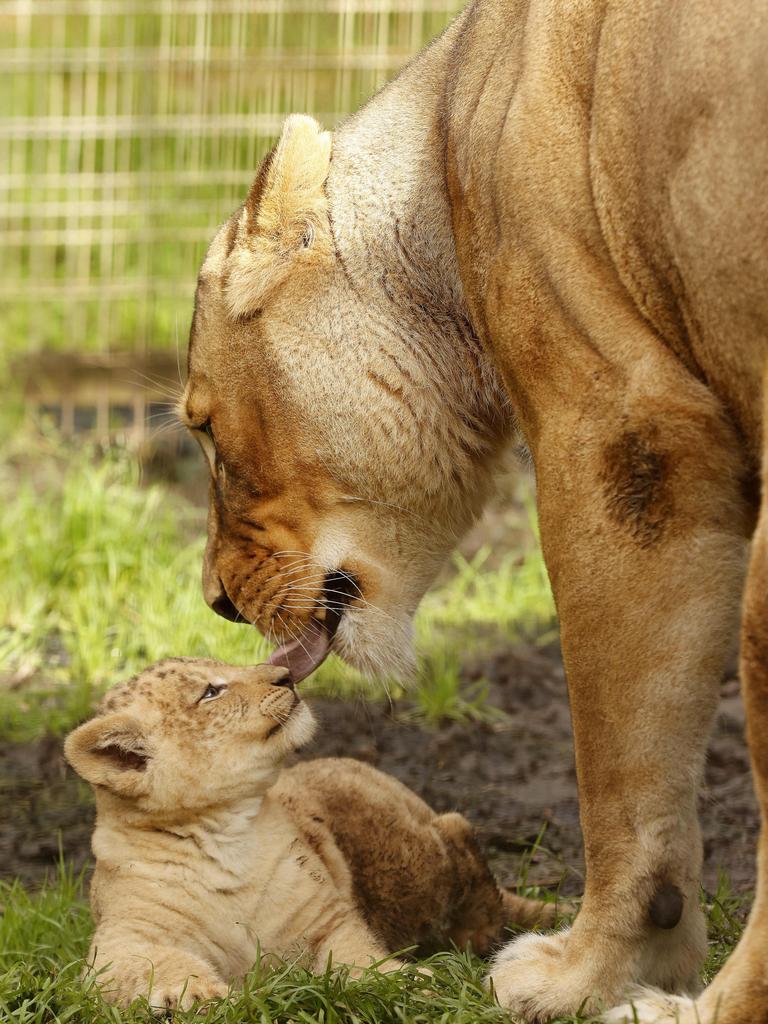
column 310, row 582
column 307, row 560
column 178, row 355
column 309, row 578
column 304, row 582
column 373, row 607
column 296, row 591
column 291, row 551
column 384, row 504
column 163, row 416
column 322, row 570
column 293, row 636
column 167, row 428
column 165, row 385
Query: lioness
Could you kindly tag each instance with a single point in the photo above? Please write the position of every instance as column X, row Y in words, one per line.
column 205, row 850
column 553, row 222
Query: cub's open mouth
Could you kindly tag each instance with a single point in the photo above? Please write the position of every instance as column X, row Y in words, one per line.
column 302, row 655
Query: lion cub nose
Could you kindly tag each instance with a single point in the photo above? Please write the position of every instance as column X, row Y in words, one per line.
column 274, row 675
column 284, row 681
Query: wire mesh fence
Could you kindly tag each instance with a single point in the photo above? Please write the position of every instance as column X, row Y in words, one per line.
column 130, row 128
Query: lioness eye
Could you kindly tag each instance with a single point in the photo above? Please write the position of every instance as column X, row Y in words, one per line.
column 207, row 429
column 211, row 691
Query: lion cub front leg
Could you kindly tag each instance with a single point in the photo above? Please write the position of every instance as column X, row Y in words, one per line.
column 167, row 977
column 351, row 942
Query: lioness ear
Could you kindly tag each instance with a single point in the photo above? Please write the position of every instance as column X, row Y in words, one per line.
column 285, row 216
column 110, row 751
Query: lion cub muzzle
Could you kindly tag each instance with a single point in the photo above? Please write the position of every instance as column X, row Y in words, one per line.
column 279, row 703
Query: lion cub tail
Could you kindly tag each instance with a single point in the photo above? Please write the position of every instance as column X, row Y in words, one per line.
column 523, row 912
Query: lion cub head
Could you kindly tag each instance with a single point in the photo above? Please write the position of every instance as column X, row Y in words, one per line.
column 190, row 734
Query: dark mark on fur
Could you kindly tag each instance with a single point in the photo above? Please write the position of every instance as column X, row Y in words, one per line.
column 635, row 479
column 256, row 192
column 120, row 757
column 666, row 906
column 234, row 223
column 336, row 249
column 385, row 286
column 393, row 390
column 314, row 841
column 249, row 318
column 749, row 485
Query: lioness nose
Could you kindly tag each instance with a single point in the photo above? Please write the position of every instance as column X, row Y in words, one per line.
column 224, row 607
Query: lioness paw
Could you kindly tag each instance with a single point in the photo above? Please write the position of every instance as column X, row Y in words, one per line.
column 649, row 1006
column 533, row 980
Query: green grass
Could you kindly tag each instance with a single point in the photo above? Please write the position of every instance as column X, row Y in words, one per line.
column 726, row 912
column 44, row 937
column 100, row 576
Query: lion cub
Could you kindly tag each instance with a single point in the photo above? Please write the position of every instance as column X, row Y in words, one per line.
column 206, row 851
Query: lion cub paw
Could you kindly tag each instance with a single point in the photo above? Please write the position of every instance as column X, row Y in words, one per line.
column 183, row 995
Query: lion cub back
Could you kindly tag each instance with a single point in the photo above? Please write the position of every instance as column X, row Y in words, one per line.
column 418, row 877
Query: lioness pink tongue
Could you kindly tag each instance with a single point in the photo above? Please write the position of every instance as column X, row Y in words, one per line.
column 304, row 654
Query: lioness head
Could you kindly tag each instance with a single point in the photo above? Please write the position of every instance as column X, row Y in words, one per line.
column 347, row 413
column 188, row 734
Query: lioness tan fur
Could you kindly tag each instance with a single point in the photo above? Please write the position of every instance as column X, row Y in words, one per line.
column 553, row 223
column 207, row 851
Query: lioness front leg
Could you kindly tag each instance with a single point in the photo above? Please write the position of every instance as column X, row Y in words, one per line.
column 643, row 529
column 739, row 993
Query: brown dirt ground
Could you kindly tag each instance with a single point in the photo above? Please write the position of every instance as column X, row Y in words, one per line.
column 509, row 776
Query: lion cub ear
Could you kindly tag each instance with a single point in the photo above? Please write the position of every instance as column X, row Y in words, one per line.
column 110, row 751
column 285, row 217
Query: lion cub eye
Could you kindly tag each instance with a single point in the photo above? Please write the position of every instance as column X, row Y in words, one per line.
column 211, row 692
